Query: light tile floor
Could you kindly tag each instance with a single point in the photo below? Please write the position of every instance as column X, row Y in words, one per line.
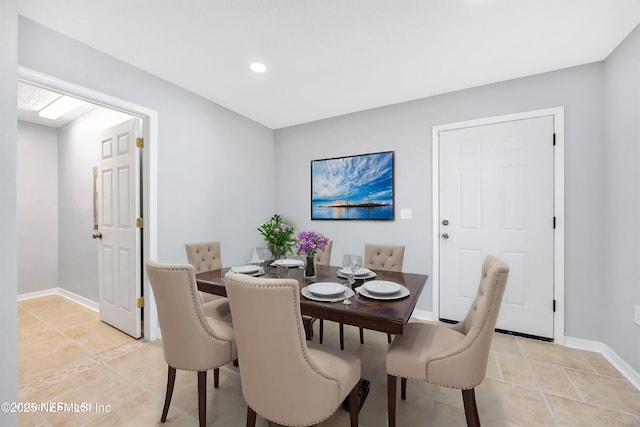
column 67, row 355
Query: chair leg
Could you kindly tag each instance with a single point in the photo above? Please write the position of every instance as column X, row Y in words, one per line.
column 403, row 388
column 321, row 331
column 389, row 338
column 470, row 407
column 354, row 408
column 171, row 380
column 216, row 377
column 251, row 417
column 361, row 336
column 308, row 327
column 341, row 336
column 202, row 397
column 391, row 399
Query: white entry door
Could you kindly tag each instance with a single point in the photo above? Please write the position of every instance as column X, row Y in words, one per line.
column 496, row 197
column 118, row 208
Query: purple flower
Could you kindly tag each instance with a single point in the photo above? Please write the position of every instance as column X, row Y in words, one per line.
column 308, row 242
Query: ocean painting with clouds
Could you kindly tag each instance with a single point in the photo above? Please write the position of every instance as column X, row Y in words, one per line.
column 353, row 187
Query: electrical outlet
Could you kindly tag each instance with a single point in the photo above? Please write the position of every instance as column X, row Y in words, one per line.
column 636, row 317
column 405, row 213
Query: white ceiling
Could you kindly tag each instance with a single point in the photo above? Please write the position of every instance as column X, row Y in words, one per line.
column 32, row 99
column 331, row 57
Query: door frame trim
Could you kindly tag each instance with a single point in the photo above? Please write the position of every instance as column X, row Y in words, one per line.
column 558, row 205
column 149, row 172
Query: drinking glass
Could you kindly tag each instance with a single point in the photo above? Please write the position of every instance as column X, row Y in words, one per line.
column 356, row 264
column 346, row 264
column 263, row 255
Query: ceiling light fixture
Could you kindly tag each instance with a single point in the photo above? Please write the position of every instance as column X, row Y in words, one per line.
column 59, row 107
column 258, row 67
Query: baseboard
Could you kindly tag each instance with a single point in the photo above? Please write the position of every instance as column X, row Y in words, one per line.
column 37, row 294
column 625, row 369
column 85, row 302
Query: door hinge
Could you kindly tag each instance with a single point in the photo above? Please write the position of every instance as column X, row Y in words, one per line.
column 554, row 222
column 139, row 223
column 140, row 302
column 554, row 139
column 554, row 306
column 140, row 142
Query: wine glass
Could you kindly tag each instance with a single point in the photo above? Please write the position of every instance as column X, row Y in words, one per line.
column 263, row 254
column 356, row 264
column 346, row 265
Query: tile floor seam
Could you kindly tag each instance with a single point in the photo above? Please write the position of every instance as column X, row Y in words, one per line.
column 606, row 408
column 550, row 409
column 499, row 366
column 573, row 383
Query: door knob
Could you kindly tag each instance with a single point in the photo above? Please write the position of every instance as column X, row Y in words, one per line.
column 445, row 222
column 445, row 235
column 97, row 236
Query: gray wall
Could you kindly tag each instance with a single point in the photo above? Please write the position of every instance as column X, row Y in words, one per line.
column 621, row 282
column 406, row 129
column 37, row 199
column 8, row 250
column 202, row 147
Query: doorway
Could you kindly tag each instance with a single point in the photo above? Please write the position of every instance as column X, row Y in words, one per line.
column 148, row 179
column 498, row 189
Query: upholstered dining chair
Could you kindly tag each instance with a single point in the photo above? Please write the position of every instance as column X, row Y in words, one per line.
column 450, row 355
column 383, row 257
column 285, row 379
column 376, row 257
column 323, row 257
column 191, row 340
column 206, row 256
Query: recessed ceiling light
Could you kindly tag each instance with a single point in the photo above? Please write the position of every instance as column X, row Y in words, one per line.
column 60, row 106
column 258, row 67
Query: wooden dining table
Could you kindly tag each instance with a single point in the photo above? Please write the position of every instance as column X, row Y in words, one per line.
column 388, row 316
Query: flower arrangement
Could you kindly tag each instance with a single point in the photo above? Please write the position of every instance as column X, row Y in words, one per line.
column 308, row 242
column 278, row 235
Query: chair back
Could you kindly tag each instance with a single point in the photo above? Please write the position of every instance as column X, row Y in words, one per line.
column 323, row 256
column 469, row 357
column 280, row 381
column 383, row 257
column 190, row 340
column 204, row 256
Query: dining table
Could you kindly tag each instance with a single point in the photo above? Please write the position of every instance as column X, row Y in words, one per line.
column 385, row 315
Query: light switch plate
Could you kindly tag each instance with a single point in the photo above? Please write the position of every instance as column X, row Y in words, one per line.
column 405, row 213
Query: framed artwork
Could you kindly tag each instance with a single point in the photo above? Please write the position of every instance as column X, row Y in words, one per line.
column 353, row 187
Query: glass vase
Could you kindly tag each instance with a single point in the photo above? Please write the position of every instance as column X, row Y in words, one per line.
column 277, row 251
column 310, row 268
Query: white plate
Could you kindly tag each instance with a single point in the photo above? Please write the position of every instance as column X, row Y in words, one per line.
column 326, row 289
column 287, row 263
column 307, row 294
column 404, row 292
column 360, row 273
column 345, row 275
column 381, row 287
column 246, row 269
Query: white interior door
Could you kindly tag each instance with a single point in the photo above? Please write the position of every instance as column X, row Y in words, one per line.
column 496, row 197
column 120, row 255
